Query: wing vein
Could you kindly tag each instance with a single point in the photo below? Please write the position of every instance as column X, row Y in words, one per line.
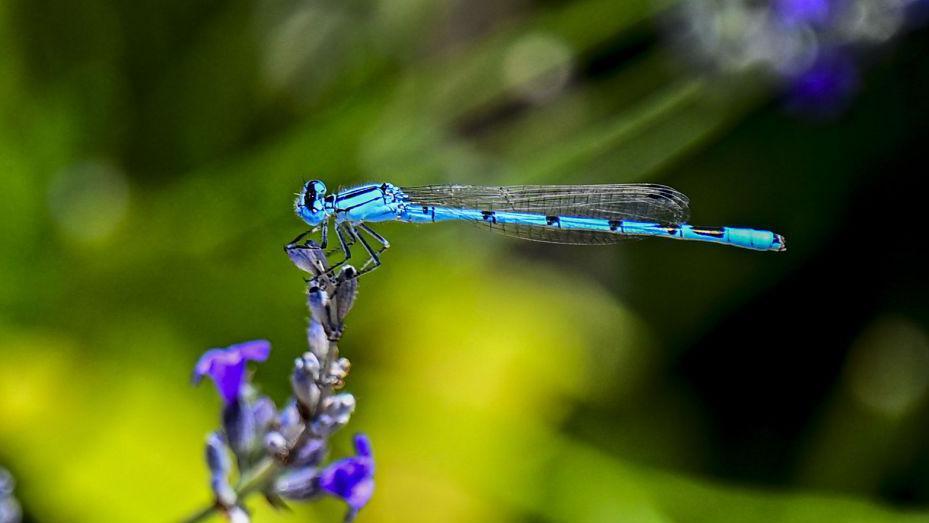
column 615, row 202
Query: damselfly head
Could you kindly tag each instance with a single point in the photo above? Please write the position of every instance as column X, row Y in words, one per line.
column 310, row 203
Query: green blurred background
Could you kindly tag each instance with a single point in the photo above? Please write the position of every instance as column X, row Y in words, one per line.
column 149, row 153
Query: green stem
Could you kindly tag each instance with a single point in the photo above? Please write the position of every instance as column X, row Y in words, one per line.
column 252, row 480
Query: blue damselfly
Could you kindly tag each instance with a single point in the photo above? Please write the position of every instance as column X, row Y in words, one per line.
column 570, row 214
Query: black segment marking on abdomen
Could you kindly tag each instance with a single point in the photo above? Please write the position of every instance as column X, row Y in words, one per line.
column 429, row 211
column 553, row 220
column 489, row 216
column 615, row 225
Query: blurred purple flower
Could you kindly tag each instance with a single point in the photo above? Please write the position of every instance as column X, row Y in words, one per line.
column 351, row 479
column 803, row 11
column 227, row 366
column 825, row 85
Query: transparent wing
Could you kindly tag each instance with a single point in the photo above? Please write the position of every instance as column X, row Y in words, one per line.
column 636, row 202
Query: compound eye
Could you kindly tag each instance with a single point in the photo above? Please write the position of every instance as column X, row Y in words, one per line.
column 309, row 195
column 313, row 195
column 312, row 192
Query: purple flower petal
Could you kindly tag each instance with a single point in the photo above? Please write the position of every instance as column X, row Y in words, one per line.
column 205, row 363
column 255, row 350
column 826, row 85
column 351, row 479
column 361, row 494
column 228, row 379
column 227, row 366
column 803, row 11
column 362, row 445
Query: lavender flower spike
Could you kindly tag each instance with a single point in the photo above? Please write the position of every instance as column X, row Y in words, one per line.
column 351, row 479
column 227, row 366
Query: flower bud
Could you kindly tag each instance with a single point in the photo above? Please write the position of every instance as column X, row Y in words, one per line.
column 334, row 413
column 263, row 412
column 310, row 452
column 317, row 339
column 290, row 422
column 217, row 460
column 304, row 379
column 299, row 484
column 275, row 444
column 307, row 365
column 338, row 371
column 318, row 302
column 239, row 425
column 346, row 291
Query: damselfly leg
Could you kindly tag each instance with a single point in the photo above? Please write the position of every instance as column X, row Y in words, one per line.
column 346, row 240
column 374, row 259
column 296, row 241
column 380, row 239
column 345, row 244
column 300, row 242
column 347, row 234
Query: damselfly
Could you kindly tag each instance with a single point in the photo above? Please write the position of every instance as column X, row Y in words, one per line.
column 571, row 214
